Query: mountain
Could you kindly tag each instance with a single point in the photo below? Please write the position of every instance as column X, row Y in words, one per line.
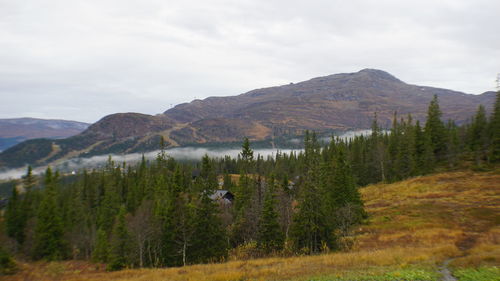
column 340, row 101
column 336, row 102
column 16, row 130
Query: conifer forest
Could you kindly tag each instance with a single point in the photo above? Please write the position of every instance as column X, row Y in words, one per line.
column 165, row 213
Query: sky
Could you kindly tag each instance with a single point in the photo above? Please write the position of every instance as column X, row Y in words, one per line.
column 82, row 60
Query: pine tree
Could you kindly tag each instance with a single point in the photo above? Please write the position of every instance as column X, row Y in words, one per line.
column 435, row 128
column 344, row 190
column 241, row 231
column 243, row 228
column 209, row 239
column 175, row 212
column 27, row 208
column 452, row 144
column 494, row 128
column 246, row 156
column 120, row 243
column 424, row 151
column 101, row 250
column 247, row 152
column 109, row 204
column 29, row 180
column 406, row 159
column 394, row 147
column 311, row 230
column 209, row 242
column 15, row 220
column 49, row 230
column 377, row 155
column 270, row 237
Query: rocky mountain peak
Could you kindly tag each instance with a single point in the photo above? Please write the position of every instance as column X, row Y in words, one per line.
column 377, row 74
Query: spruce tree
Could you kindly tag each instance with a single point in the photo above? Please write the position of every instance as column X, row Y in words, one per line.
column 435, row 128
column 120, row 243
column 176, row 215
column 15, row 220
column 243, row 228
column 394, row 147
column 377, row 155
column 209, row 242
column 270, row 237
column 424, row 151
column 406, row 159
column 452, row 144
column 311, row 229
column 344, row 190
column 49, row 240
column 29, row 180
column 247, row 152
column 101, row 250
column 477, row 135
column 494, row 128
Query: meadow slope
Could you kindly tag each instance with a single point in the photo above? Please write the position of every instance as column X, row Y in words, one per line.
column 414, row 227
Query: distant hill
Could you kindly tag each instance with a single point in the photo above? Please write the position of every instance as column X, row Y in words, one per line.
column 16, row 130
column 336, row 102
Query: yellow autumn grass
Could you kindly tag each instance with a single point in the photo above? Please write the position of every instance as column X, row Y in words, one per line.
column 420, row 221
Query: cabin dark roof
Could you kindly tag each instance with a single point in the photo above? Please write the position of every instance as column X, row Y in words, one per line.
column 222, row 194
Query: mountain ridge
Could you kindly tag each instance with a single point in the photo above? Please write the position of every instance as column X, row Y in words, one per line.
column 16, row 130
column 336, row 102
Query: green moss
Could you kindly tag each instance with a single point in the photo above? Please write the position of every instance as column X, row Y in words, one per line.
column 408, row 274
column 480, row 274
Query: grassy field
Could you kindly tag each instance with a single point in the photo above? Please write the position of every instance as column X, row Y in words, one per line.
column 414, row 226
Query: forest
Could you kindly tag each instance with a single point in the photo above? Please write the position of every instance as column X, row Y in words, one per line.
column 164, row 213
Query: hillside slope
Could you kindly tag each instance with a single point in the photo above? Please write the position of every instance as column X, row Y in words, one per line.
column 16, row 130
column 325, row 104
column 414, row 226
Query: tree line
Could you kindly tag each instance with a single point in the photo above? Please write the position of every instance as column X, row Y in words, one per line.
column 164, row 213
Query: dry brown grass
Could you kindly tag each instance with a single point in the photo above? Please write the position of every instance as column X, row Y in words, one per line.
column 421, row 221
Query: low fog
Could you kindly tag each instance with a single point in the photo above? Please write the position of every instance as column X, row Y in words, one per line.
column 178, row 153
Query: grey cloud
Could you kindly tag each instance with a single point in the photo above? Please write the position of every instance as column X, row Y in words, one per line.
column 83, row 60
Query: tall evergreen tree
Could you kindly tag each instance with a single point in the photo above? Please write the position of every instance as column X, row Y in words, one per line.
column 378, row 155
column 209, row 239
column 424, row 151
column 494, row 128
column 242, row 228
column 406, row 159
column 120, row 243
column 247, row 152
column 49, row 230
column 344, row 190
column 101, row 250
column 311, row 229
column 271, row 237
column 15, row 220
column 435, row 128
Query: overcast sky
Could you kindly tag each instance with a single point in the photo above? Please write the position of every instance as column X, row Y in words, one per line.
column 82, row 60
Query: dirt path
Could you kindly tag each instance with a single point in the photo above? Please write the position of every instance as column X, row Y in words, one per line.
column 445, row 271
